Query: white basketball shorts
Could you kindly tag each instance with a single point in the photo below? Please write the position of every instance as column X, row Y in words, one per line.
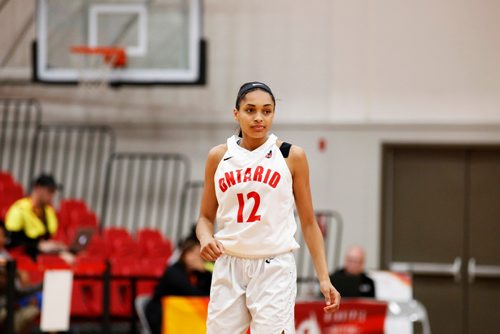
column 259, row 293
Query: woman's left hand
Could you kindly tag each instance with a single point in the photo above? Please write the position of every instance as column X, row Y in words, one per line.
column 332, row 296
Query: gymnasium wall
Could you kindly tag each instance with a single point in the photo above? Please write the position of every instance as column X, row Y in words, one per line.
column 357, row 73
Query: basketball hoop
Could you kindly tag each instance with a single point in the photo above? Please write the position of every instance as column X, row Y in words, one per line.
column 95, row 64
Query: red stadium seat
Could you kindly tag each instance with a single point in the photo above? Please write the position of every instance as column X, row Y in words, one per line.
column 14, row 191
column 6, row 182
column 72, row 215
column 128, row 265
column 72, row 204
column 155, row 251
column 153, row 267
column 89, row 219
column 152, row 244
column 114, row 233
column 125, row 248
column 121, row 298
column 161, row 250
column 8, row 195
column 148, row 234
column 120, row 242
column 87, row 293
column 120, row 291
column 6, row 178
column 98, row 248
column 86, row 300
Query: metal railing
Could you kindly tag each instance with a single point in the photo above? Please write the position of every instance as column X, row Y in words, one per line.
column 19, row 123
column 76, row 155
column 190, row 207
column 331, row 225
column 143, row 190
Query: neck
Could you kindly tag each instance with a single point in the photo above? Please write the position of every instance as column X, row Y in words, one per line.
column 36, row 201
column 252, row 143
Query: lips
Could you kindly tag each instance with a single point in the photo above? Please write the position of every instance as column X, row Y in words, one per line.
column 258, row 127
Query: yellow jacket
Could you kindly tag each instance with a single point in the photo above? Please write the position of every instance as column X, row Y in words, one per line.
column 21, row 217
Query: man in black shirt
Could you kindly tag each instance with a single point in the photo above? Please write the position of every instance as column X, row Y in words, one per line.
column 351, row 281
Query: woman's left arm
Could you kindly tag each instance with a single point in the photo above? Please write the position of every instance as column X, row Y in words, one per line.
column 310, row 229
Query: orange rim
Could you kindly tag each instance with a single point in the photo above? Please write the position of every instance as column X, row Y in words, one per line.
column 115, row 56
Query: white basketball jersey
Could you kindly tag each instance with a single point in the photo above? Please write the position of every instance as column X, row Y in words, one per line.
column 255, row 195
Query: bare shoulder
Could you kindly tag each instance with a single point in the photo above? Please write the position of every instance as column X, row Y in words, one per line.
column 297, row 153
column 216, row 153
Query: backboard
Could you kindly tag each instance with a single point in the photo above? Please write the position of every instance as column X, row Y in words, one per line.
column 161, row 39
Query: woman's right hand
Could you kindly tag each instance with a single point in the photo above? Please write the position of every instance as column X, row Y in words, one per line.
column 211, row 249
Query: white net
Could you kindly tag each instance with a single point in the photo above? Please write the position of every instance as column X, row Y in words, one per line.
column 96, row 65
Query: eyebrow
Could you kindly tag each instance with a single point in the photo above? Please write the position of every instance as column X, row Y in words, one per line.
column 253, row 105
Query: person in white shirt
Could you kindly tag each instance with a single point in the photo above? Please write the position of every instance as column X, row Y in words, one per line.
column 251, row 185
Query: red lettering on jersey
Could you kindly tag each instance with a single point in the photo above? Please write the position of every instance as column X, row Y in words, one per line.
column 238, row 175
column 275, row 179
column 257, row 176
column 230, row 179
column 222, row 185
column 271, row 177
column 266, row 178
column 248, row 175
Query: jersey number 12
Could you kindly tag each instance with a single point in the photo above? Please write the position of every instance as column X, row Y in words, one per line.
column 254, row 217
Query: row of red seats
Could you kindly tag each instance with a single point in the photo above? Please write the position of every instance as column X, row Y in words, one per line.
column 144, row 255
column 118, row 243
column 114, row 242
column 87, row 295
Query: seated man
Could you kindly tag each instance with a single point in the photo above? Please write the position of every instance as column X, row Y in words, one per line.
column 351, row 281
column 187, row 277
column 32, row 221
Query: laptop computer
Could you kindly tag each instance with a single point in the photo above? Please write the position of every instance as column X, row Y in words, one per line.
column 81, row 239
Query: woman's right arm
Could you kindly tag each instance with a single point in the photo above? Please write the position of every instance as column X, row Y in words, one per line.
column 211, row 249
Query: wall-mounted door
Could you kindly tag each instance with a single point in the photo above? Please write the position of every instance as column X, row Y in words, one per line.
column 484, row 242
column 441, row 221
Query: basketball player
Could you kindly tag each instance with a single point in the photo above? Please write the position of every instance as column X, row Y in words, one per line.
column 251, row 185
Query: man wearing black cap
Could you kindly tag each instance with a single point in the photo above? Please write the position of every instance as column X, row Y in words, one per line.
column 32, row 220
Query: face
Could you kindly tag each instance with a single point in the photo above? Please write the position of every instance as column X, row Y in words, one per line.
column 355, row 261
column 45, row 195
column 192, row 259
column 256, row 114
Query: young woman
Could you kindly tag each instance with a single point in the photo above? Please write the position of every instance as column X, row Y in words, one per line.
column 187, row 277
column 251, row 185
